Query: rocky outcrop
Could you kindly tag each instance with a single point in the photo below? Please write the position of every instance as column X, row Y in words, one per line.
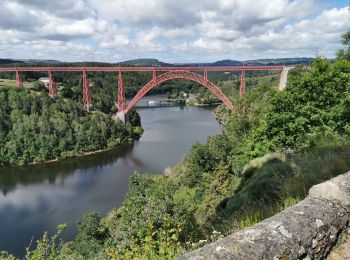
column 307, row 230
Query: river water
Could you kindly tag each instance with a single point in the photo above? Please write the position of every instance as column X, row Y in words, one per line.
column 37, row 198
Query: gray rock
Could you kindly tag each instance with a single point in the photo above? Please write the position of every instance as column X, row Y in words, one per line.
column 307, row 230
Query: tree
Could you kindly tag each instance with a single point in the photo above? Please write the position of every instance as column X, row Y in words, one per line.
column 37, row 128
column 345, row 53
column 91, row 235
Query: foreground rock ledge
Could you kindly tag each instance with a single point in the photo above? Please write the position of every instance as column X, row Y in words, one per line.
column 307, row 230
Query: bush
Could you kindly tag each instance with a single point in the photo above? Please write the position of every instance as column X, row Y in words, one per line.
column 91, row 235
column 47, row 248
column 39, row 86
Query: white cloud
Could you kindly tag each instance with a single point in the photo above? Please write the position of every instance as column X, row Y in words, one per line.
column 145, row 13
column 321, row 34
column 70, row 9
column 16, row 16
column 176, row 30
column 146, row 40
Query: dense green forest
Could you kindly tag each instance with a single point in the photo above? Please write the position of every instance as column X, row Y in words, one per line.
column 268, row 155
column 35, row 127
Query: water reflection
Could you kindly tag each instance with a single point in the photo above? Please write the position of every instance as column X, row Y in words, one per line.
column 11, row 177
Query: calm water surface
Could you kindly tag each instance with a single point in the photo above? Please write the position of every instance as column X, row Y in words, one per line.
column 37, row 198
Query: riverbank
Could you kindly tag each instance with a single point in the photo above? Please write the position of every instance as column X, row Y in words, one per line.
column 72, row 156
column 37, row 128
column 75, row 156
column 201, row 100
column 203, row 104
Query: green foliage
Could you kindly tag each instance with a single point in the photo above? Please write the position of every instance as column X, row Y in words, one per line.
column 312, row 105
column 345, row 53
column 279, row 184
column 39, row 86
column 158, row 243
column 253, row 216
column 35, row 127
column 203, row 97
column 6, row 256
column 263, row 186
column 91, row 235
column 329, row 157
column 48, row 247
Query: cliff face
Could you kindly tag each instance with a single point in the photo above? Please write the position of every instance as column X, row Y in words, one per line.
column 307, row 230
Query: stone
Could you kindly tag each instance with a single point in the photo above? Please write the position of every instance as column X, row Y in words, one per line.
column 219, row 248
column 300, row 231
column 284, row 232
column 124, row 117
column 319, row 223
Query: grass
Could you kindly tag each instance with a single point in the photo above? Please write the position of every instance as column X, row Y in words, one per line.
column 12, row 83
column 278, row 184
column 231, row 87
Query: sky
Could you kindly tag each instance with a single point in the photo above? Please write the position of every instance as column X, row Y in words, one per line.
column 171, row 30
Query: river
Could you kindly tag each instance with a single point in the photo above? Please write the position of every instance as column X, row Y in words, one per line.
column 37, row 198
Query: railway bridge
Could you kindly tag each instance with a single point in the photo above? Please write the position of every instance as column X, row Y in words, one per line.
column 158, row 75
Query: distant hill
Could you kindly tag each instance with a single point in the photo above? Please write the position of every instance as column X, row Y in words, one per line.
column 281, row 61
column 227, row 63
column 216, row 63
column 41, row 62
column 146, row 62
column 157, row 63
column 10, row 61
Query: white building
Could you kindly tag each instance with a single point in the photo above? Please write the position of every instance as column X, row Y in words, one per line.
column 44, row 80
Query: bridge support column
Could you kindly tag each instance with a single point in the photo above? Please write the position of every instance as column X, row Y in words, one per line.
column 86, row 92
column 123, row 116
column 19, row 82
column 52, row 85
column 242, row 84
column 206, row 77
column 121, row 105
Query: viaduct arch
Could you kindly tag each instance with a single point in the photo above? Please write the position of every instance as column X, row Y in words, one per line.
column 181, row 74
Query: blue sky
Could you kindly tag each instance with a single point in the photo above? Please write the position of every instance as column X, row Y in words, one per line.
column 171, row 31
column 335, row 3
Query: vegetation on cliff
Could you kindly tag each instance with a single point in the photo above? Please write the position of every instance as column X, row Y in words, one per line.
column 35, row 127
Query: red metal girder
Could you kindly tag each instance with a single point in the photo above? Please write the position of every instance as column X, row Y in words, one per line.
column 121, row 94
column 144, row 68
column 86, row 92
column 52, row 85
column 19, row 82
column 206, row 77
column 242, row 84
column 180, row 75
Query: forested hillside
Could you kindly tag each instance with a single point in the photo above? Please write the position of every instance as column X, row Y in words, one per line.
column 35, row 127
